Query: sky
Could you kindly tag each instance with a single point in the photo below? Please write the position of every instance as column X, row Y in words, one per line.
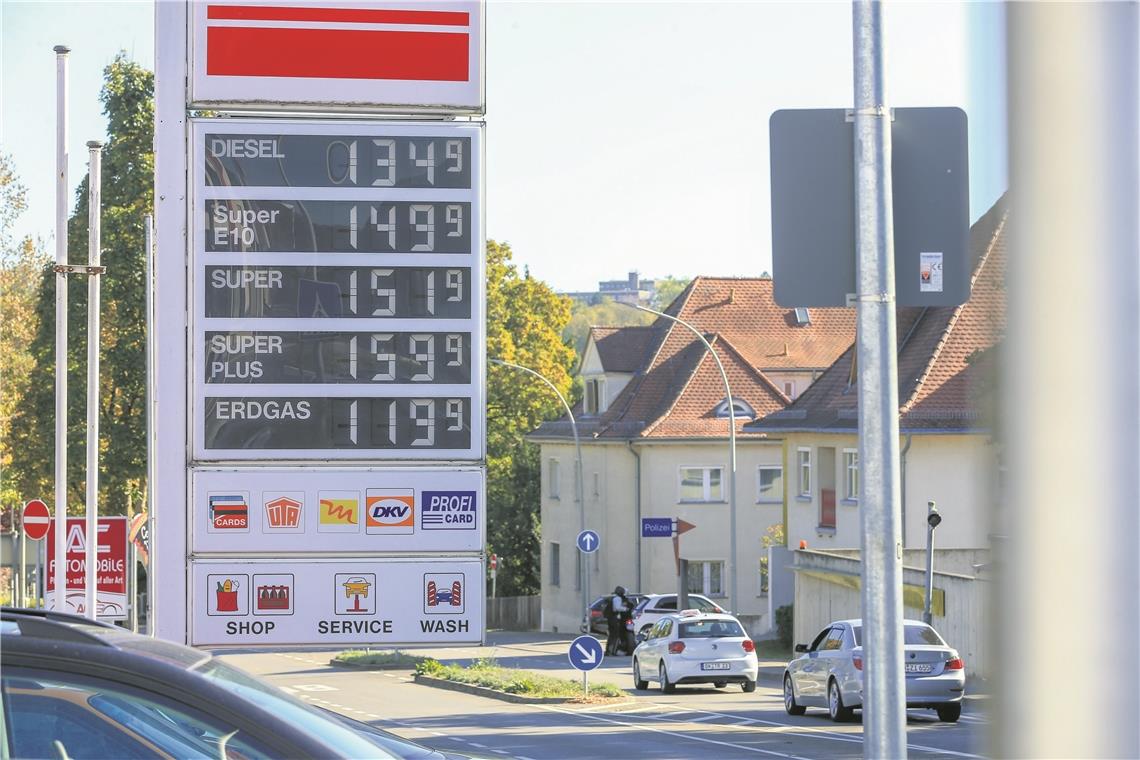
column 621, row 136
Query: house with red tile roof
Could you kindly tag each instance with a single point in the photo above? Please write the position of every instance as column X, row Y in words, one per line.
column 654, row 432
column 948, row 454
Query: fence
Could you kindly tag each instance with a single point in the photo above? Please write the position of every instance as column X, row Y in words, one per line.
column 514, row 613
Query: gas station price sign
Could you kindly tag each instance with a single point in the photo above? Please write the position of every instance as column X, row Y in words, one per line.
column 338, row 290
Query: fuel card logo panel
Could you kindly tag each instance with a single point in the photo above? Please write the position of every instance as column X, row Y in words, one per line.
column 390, row 510
column 229, row 511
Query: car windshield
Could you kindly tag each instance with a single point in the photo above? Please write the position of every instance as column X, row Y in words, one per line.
column 912, row 634
column 710, row 629
column 346, row 741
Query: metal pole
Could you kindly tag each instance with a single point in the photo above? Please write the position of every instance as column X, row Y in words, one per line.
column 132, row 587
column 94, row 203
column 884, row 713
column 731, row 452
column 582, row 556
column 22, row 594
column 61, row 193
column 148, row 237
column 931, row 524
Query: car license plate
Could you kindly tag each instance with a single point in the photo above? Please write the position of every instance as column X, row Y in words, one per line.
column 715, row 666
column 919, row 667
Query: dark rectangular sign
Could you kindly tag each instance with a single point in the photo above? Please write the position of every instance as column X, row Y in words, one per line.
column 291, row 160
column 312, row 226
column 312, row 423
column 313, row 291
column 338, row 357
column 656, row 527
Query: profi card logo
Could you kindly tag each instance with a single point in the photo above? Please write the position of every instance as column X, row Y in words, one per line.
column 390, row 510
column 229, row 511
column 449, row 510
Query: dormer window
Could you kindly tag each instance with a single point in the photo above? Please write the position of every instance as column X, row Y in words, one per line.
column 803, row 318
column 740, row 409
column 595, row 396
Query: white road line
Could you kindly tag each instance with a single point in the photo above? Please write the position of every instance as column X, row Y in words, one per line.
column 477, row 744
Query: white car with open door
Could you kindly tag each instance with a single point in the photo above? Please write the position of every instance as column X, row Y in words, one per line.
column 694, row 647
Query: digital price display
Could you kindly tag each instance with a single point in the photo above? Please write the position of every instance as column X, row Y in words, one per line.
column 338, row 275
column 338, row 423
column 338, row 357
column 312, row 226
column 356, row 292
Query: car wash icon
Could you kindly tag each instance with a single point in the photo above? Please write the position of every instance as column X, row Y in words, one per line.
column 443, row 594
column 354, row 595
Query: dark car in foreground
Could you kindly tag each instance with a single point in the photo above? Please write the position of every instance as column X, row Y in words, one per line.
column 829, row 672
column 76, row 688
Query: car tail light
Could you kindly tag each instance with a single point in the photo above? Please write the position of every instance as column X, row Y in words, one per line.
column 955, row 663
column 857, row 661
column 748, row 645
column 676, row 647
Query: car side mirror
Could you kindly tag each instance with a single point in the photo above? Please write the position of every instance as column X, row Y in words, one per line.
column 801, row 647
column 640, row 637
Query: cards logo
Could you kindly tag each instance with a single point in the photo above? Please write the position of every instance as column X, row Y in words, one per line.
column 443, row 593
column 339, row 512
column 283, row 511
column 390, row 510
column 449, row 510
column 229, row 511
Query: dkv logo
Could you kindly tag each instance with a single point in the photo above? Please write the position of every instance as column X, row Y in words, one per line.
column 390, row 510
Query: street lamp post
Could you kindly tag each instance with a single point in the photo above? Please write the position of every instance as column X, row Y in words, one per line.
column 933, row 520
column 583, row 562
column 731, row 450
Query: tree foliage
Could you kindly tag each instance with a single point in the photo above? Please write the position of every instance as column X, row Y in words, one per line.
column 127, row 196
column 524, row 323
column 666, row 289
column 605, row 313
column 22, row 264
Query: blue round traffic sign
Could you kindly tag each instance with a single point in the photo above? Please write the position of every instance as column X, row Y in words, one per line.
column 586, row 653
column 589, row 541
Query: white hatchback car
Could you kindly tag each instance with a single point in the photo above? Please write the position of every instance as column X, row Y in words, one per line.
column 655, row 606
column 696, row 647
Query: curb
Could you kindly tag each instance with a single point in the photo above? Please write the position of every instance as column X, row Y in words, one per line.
column 483, row 691
column 386, row 666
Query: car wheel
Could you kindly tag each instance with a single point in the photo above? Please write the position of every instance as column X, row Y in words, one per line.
column 950, row 713
column 790, row 706
column 720, row 684
column 748, row 686
column 835, row 708
column 639, row 683
column 663, row 676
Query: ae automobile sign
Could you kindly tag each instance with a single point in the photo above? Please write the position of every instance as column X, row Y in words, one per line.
column 411, row 57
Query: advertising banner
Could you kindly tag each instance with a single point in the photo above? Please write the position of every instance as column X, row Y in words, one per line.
column 110, row 572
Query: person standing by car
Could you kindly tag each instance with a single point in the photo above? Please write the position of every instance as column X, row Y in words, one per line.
column 615, row 610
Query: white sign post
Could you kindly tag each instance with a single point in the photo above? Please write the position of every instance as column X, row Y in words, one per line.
column 321, row 328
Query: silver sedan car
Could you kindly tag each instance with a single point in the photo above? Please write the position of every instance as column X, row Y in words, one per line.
column 829, row 672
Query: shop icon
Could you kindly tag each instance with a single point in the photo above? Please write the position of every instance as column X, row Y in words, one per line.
column 227, row 594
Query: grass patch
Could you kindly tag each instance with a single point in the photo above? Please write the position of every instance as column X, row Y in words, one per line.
column 773, row 649
column 487, row 673
column 387, row 659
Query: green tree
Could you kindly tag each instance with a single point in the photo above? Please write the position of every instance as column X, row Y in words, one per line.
column 22, row 264
column 606, row 313
column 666, row 289
column 127, row 196
column 524, row 323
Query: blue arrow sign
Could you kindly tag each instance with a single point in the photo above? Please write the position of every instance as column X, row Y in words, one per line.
column 656, row 527
column 586, row 653
column 589, row 541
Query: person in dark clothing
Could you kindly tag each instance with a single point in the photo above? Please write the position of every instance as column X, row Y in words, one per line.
column 615, row 610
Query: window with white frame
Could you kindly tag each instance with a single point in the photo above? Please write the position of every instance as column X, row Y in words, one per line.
column 740, row 410
column 803, row 465
column 851, row 474
column 701, row 484
column 790, row 389
column 769, row 484
column 706, row 577
column 554, row 479
column 764, row 572
column 555, row 564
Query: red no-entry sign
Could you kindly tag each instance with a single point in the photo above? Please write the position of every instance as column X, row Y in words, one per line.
column 36, row 520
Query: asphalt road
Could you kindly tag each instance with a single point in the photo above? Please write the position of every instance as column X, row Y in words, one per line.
column 692, row 722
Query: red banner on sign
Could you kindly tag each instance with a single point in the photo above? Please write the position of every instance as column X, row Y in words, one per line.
column 110, row 555
column 262, row 41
